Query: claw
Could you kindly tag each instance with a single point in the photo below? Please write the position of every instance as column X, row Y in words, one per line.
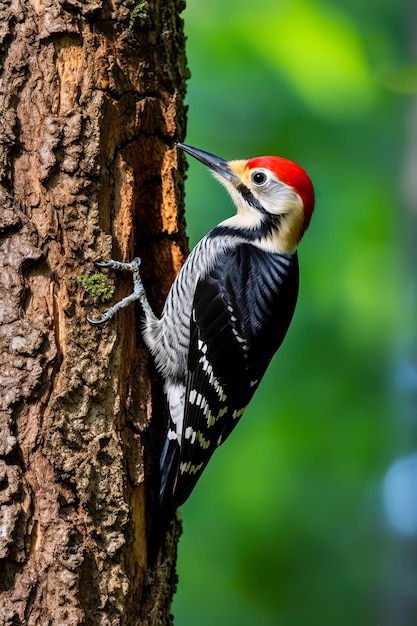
column 103, row 320
column 138, row 291
column 119, row 265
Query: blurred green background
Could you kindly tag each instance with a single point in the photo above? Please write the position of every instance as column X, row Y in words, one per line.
column 308, row 514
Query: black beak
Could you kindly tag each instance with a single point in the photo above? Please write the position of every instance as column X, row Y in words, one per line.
column 215, row 163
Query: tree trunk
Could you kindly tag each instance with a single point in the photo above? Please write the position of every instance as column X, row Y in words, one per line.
column 92, row 102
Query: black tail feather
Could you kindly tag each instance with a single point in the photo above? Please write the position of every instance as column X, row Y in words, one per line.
column 166, row 507
column 168, row 466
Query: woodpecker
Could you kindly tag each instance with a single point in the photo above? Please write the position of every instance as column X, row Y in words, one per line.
column 227, row 311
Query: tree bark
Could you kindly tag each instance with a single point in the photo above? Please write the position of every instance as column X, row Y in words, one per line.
column 91, row 104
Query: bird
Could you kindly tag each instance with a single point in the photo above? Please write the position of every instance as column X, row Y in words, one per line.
column 226, row 313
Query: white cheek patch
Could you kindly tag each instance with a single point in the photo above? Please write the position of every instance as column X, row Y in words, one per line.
column 247, row 216
column 279, row 199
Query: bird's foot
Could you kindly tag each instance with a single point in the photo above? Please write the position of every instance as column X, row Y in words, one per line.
column 138, row 290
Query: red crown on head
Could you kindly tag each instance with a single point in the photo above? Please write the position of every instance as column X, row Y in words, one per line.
column 292, row 175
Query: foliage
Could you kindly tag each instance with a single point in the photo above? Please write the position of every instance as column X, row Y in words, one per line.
column 98, row 286
column 287, row 524
column 140, row 16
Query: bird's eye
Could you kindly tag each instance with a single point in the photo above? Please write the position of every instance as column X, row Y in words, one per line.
column 259, row 178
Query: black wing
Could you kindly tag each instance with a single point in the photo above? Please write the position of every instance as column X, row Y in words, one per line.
column 241, row 312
